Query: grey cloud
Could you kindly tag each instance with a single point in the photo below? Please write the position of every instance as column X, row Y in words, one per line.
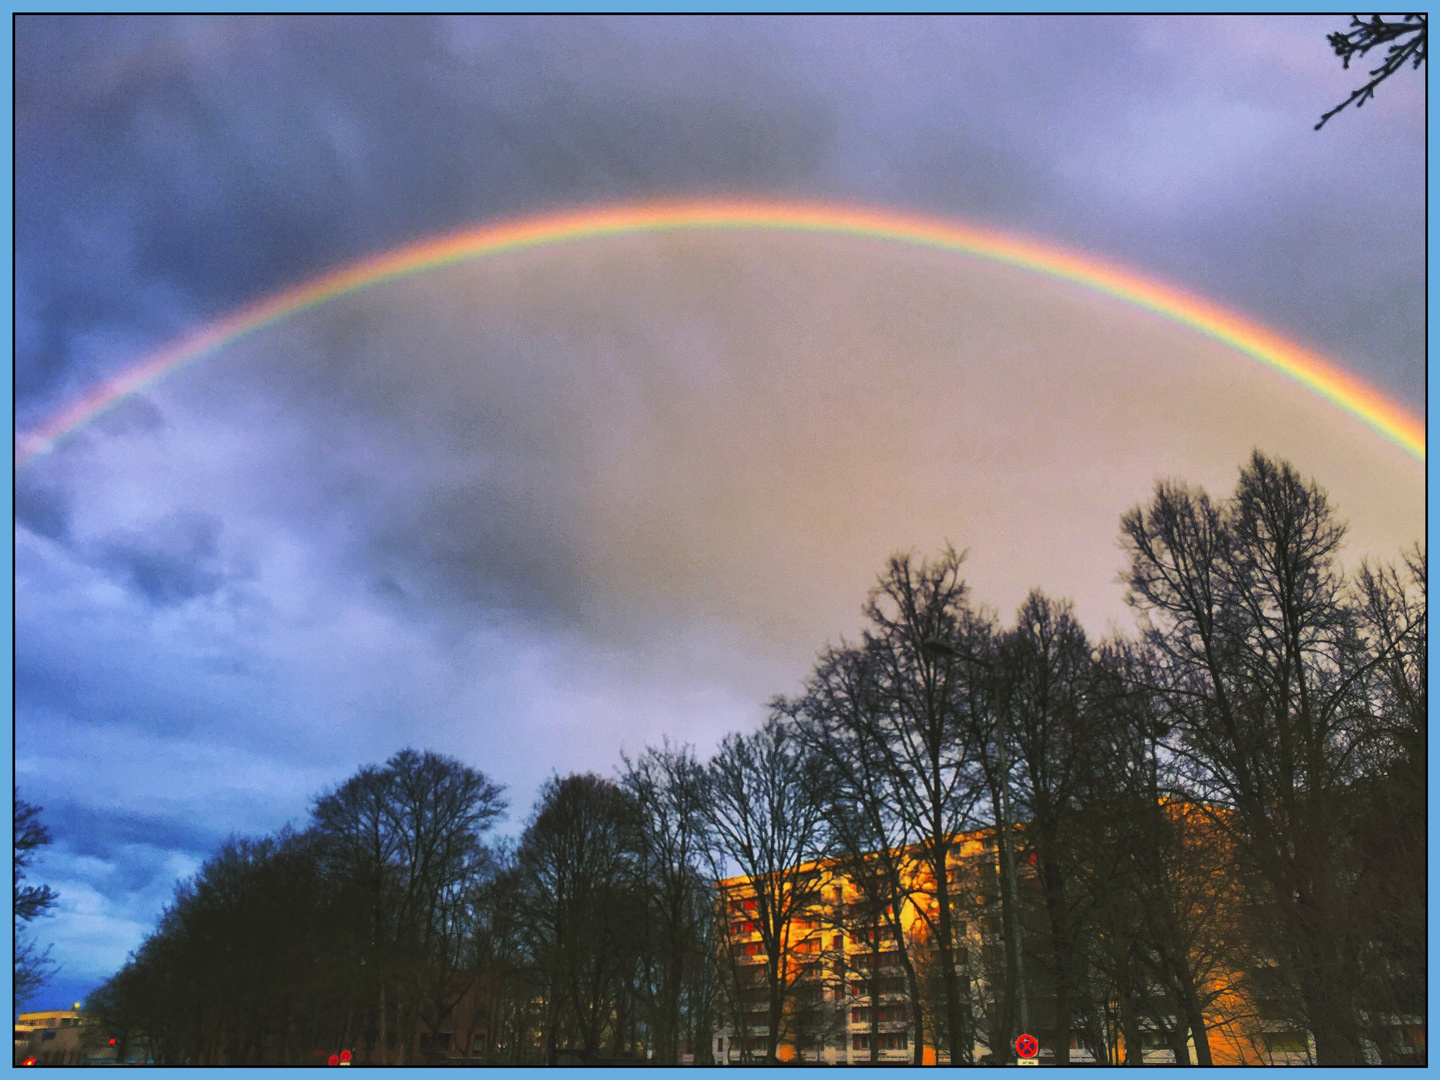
column 177, row 558
column 43, row 508
column 482, row 550
column 280, row 147
column 111, row 833
column 136, row 413
column 1180, row 146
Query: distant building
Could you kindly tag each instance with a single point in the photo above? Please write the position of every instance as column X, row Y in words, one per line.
column 50, row 1038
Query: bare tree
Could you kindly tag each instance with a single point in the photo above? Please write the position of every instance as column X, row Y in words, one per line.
column 921, row 632
column 1260, row 668
column 1405, row 38
column 440, row 808
column 763, row 806
column 1044, row 673
column 578, row 856
column 503, row 1004
column 667, row 786
column 836, row 718
column 402, row 843
column 32, row 965
column 1390, row 807
column 1165, row 890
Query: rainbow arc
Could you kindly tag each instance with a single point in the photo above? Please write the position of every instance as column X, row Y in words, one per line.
column 1293, row 361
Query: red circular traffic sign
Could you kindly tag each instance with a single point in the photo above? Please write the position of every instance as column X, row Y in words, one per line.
column 344, row 1056
column 1027, row 1046
column 334, row 1059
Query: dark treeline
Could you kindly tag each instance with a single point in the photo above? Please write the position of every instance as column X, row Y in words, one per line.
column 1207, row 839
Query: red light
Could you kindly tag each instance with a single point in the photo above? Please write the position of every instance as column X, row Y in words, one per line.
column 28, row 1061
column 334, row 1059
column 344, row 1055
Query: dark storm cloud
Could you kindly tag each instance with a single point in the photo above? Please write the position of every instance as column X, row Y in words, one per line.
column 43, row 508
column 94, row 833
column 174, row 560
column 198, row 165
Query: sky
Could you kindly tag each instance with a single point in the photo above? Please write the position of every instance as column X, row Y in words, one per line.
column 536, row 510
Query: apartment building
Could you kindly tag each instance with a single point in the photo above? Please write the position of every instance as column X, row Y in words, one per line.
column 849, row 973
column 847, row 994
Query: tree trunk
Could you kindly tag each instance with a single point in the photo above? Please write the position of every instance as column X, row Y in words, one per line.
column 404, row 1031
column 1010, row 934
column 1060, row 944
column 1195, row 1017
column 947, row 954
column 777, row 1004
column 1179, row 1045
column 1337, row 1043
column 917, row 1056
column 384, row 1042
column 670, row 1043
column 1130, row 1027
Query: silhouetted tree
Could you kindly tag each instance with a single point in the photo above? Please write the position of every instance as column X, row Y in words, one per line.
column 507, row 984
column 578, row 857
column 1044, row 672
column 1405, row 41
column 836, row 719
column 921, row 635
column 763, row 805
column 1390, row 806
column 402, row 845
column 32, row 965
column 1261, row 668
column 668, row 789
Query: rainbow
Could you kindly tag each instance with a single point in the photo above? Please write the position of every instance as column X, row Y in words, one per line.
column 1277, row 353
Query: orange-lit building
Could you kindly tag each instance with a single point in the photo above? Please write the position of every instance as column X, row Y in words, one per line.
column 850, row 986
column 836, row 1008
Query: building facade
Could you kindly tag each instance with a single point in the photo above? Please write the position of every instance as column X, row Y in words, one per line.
column 858, row 980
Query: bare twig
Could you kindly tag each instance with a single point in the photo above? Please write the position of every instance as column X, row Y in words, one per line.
column 1406, row 38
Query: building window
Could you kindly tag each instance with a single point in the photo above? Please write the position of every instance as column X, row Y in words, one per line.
column 1286, row 1042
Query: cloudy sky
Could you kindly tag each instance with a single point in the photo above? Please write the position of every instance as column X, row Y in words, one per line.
column 535, row 510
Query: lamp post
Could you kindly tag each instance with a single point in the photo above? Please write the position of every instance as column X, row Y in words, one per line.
column 1007, row 857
